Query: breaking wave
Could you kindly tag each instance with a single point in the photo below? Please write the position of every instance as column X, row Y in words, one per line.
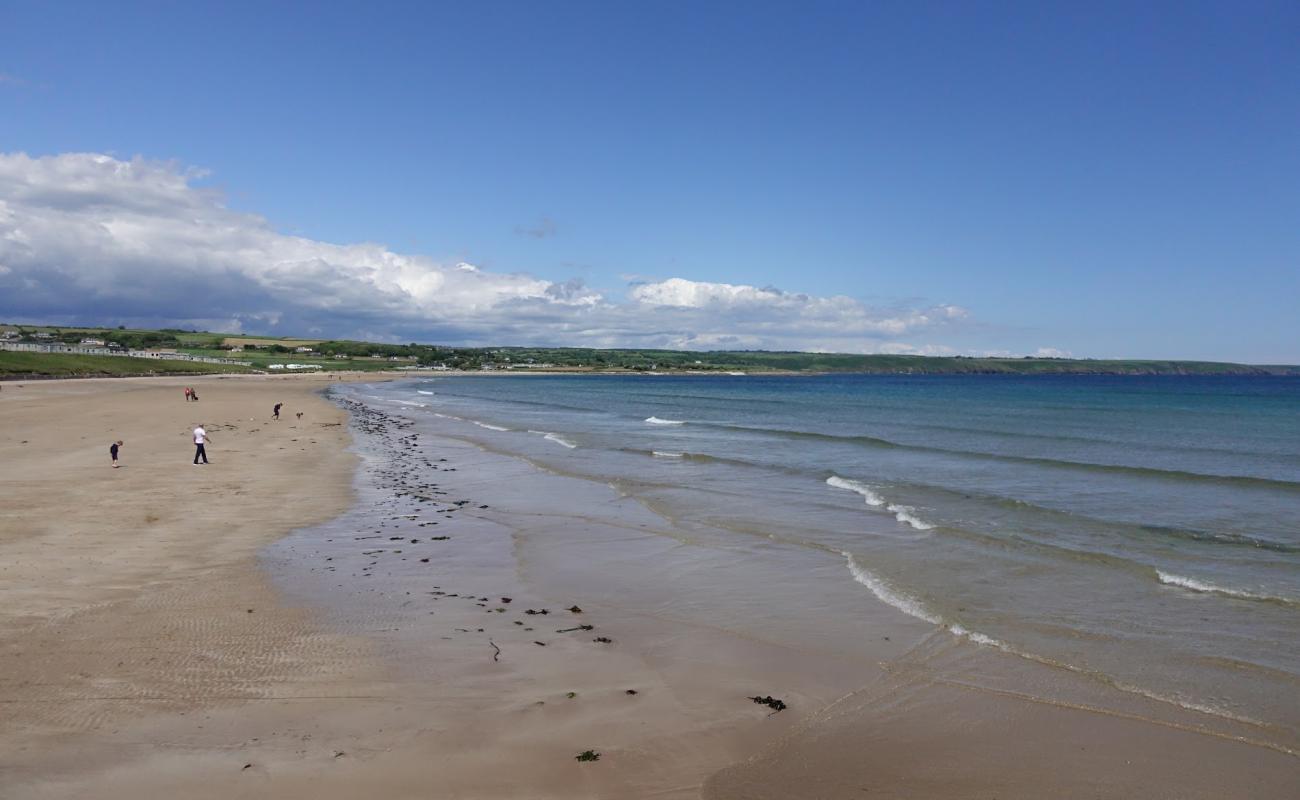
column 914, row 608
column 1195, row 585
column 555, row 437
column 904, row 514
column 903, row 602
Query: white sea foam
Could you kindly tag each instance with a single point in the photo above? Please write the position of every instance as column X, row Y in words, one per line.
column 868, row 495
column 667, row 454
column 1195, row 585
column 421, row 391
column 406, row 402
column 904, row 514
column 555, row 437
column 979, row 638
column 912, row 607
column 489, row 427
column 448, row 416
column 657, row 421
column 908, row 605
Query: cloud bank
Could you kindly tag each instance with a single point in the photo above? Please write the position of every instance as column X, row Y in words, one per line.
column 92, row 239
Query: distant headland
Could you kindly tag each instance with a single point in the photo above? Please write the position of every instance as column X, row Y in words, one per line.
column 30, row 351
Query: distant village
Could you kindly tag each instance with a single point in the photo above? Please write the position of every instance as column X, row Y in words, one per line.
column 44, row 342
column 17, row 339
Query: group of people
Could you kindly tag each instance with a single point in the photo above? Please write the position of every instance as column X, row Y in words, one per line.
column 201, row 437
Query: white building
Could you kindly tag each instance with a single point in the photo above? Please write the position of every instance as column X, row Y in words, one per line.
column 77, row 349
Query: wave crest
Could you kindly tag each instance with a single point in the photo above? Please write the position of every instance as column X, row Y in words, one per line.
column 871, row 498
column 555, row 437
column 886, row 594
column 1195, row 585
column 904, row 514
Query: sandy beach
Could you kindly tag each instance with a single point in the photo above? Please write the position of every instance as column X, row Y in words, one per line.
column 288, row 622
column 146, row 654
column 133, row 591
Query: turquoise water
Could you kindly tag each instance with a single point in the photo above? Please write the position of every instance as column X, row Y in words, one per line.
column 1141, row 530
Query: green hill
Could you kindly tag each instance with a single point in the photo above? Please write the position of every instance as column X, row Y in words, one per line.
column 264, row 352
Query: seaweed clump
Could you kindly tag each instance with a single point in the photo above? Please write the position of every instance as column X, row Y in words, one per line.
column 770, row 702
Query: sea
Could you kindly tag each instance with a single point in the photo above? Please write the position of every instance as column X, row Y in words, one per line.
column 1142, row 532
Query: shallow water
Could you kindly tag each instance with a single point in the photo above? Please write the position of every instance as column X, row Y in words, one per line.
column 1138, row 531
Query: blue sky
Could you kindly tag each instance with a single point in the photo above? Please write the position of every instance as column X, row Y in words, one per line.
column 1102, row 180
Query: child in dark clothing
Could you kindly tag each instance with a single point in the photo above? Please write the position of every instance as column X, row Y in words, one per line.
column 112, row 451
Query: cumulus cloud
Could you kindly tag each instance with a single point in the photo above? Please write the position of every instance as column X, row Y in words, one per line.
column 93, row 239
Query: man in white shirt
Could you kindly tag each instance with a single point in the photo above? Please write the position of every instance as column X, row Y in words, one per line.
column 200, row 438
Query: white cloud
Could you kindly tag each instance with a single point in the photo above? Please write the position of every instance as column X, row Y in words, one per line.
column 87, row 237
column 1051, row 352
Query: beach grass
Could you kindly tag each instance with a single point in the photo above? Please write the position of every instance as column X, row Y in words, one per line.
column 71, row 365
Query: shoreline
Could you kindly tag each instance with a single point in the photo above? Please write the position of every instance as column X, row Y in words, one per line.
column 362, row 676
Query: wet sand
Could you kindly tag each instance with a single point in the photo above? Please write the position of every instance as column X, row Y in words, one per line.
column 165, row 634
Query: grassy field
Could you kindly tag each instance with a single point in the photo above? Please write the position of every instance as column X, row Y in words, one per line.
column 64, row 365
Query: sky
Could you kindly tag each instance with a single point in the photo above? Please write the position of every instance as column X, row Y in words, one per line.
column 1095, row 180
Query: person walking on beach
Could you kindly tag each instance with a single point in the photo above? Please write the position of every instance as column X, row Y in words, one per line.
column 194, row 395
column 275, row 413
column 112, row 451
column 200, row 439
column 187, row 394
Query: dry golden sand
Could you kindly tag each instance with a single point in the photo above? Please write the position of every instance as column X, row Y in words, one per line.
column 133, row 591
column 144, row 654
